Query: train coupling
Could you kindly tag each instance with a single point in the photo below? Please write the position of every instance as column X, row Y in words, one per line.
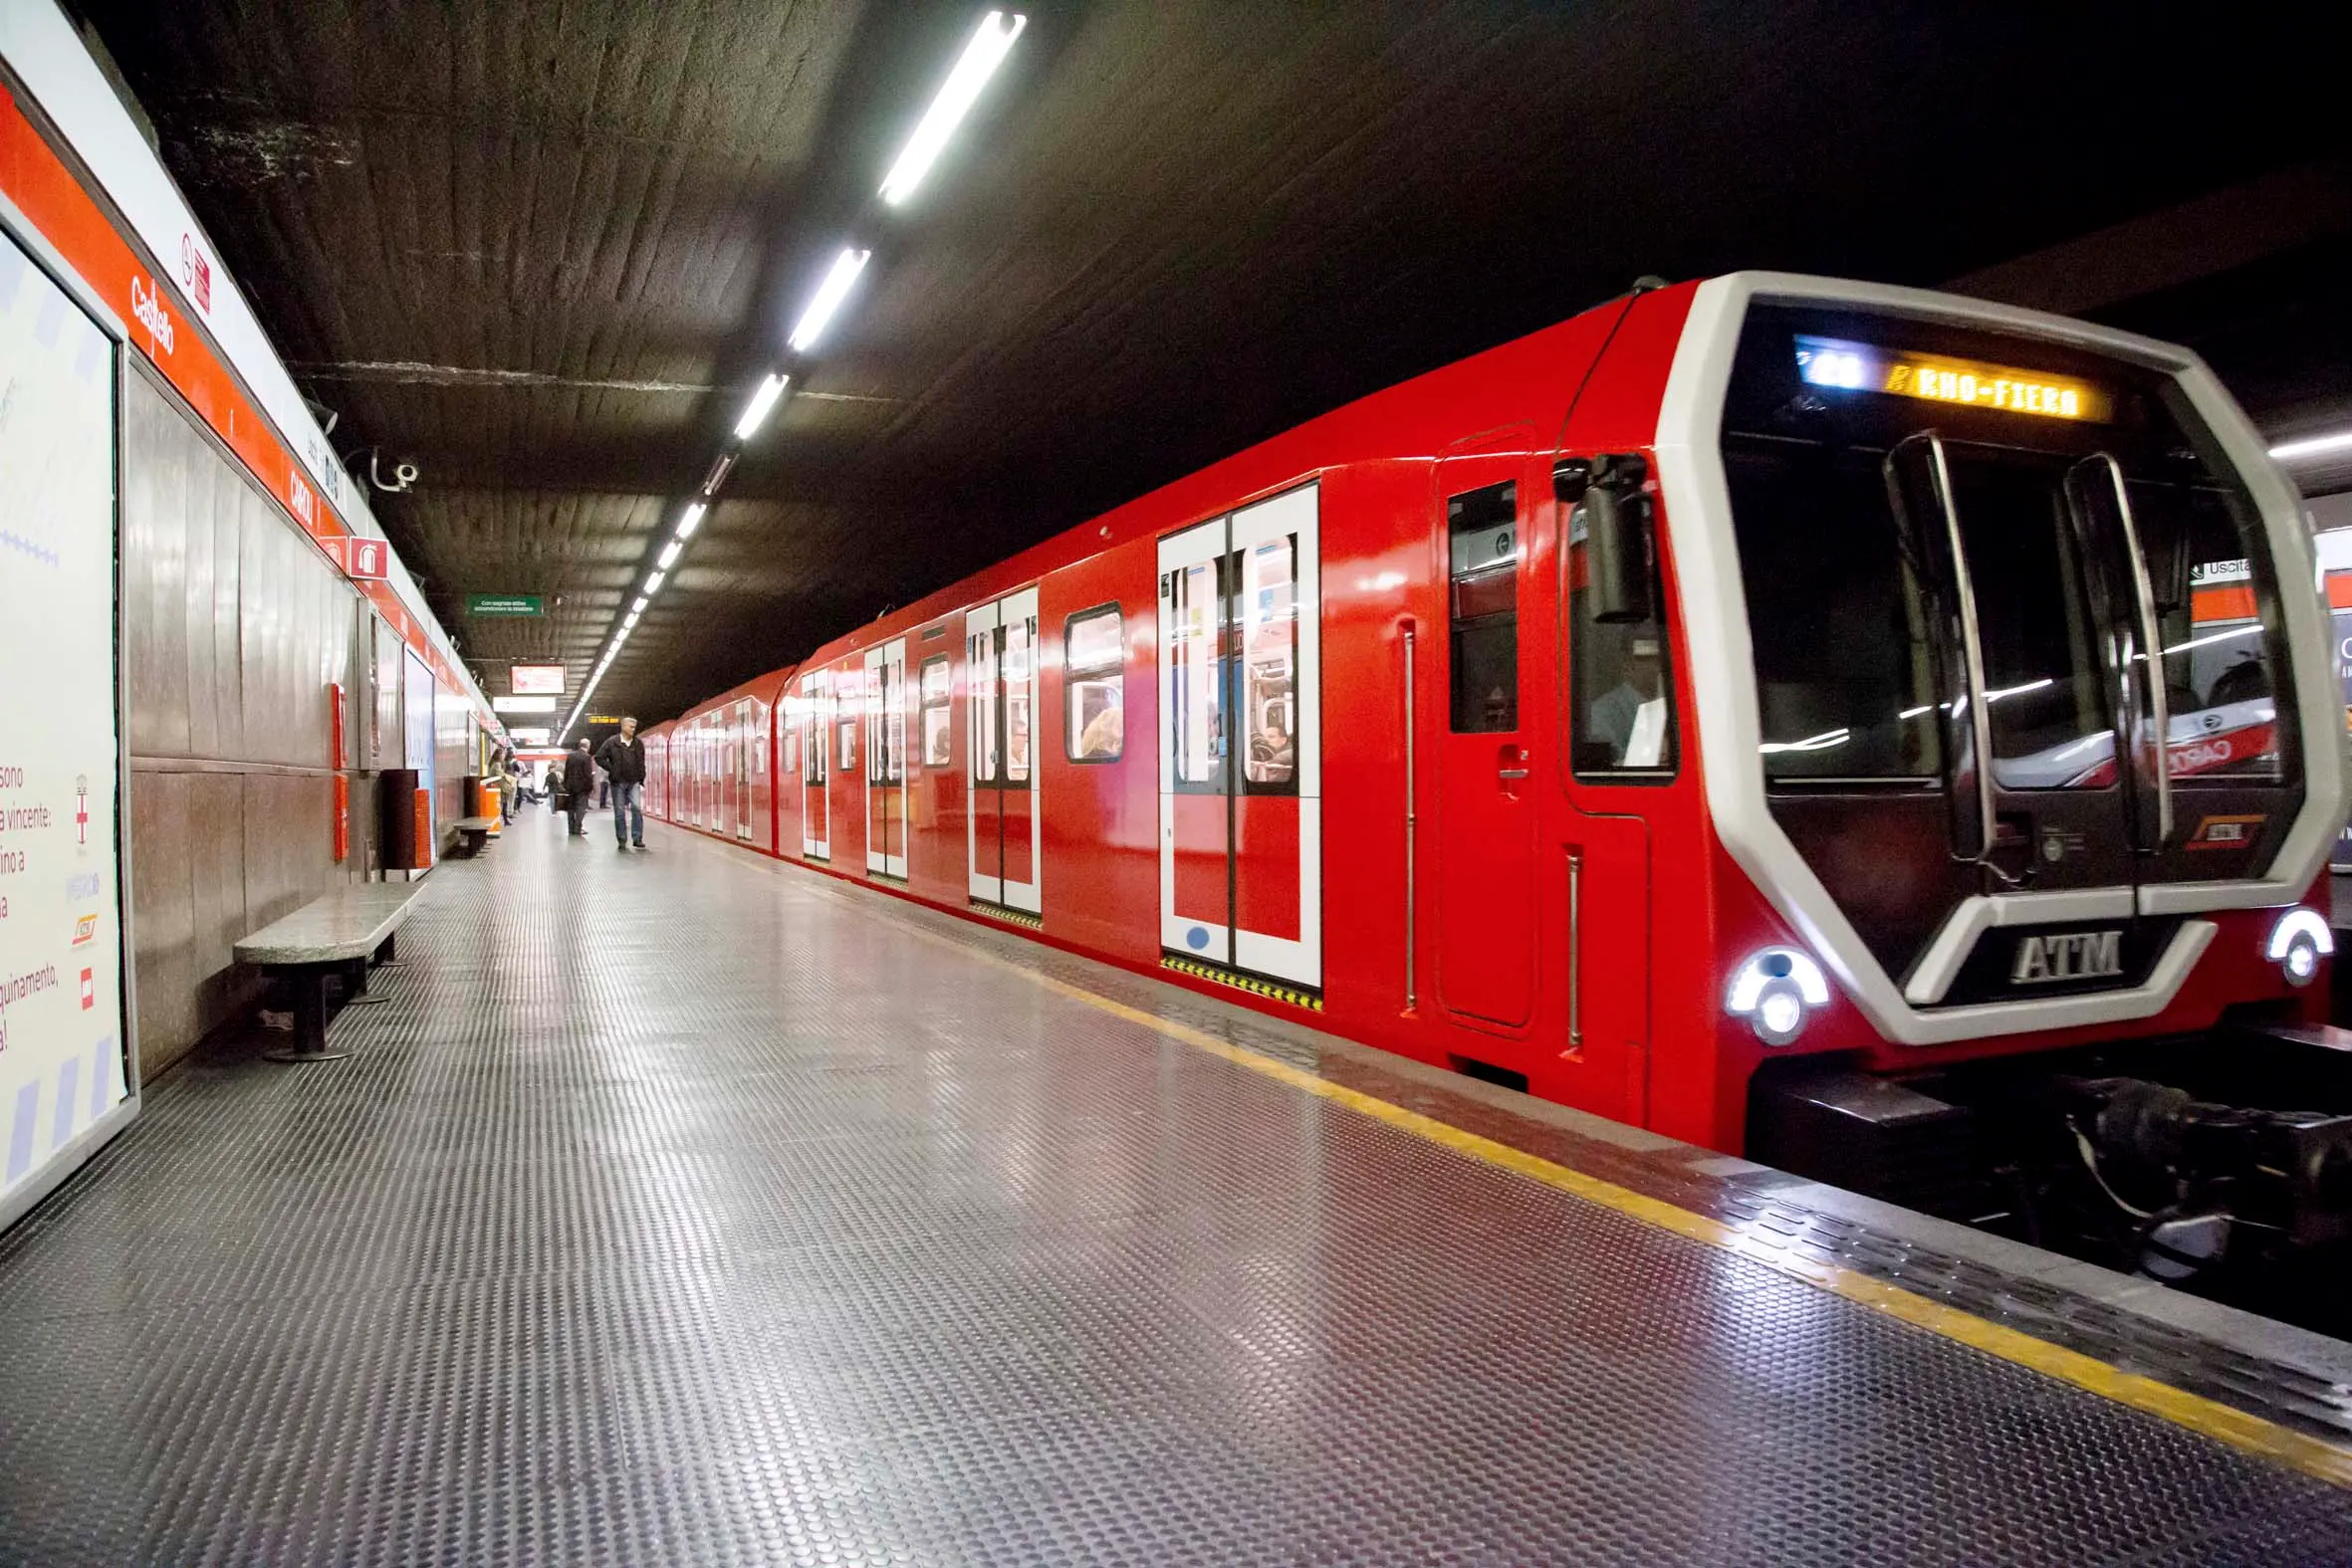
column 2186, row 1166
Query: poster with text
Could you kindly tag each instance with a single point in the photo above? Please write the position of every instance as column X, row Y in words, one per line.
column 61, row 927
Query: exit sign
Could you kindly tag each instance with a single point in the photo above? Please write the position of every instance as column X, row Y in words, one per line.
column 505, row 604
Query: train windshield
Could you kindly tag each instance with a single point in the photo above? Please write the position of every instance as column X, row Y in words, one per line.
column 1856, row 678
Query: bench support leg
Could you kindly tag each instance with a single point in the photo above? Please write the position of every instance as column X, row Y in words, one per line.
column 388, row 955
column 305, row 986
column 359, row 995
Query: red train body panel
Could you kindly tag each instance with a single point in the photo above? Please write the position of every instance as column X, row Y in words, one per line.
column 1320, row 722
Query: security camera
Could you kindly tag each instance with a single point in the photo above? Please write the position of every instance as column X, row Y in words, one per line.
column 403, row 475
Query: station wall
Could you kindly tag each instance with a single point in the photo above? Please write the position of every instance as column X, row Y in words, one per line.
column 237, row 630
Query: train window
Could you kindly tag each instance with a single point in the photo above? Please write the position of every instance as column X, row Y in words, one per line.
column 1018, row 634
column 1196, row 674
column 982, row 675
column 1482, row 540
column 1619, row 680
column 937, row 692
column 2205, row 566
column 1093, row 658
column 845, row 719
column 790, row 714
column 1269, row 609
column 813, row 737
column 885, row 747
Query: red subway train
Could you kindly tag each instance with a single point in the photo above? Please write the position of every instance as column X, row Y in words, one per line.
column 1881, row 732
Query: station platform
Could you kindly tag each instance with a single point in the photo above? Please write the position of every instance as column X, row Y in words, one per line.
column 689, row 1208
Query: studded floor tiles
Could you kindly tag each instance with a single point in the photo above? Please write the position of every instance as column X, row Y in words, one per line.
column 677, row 1210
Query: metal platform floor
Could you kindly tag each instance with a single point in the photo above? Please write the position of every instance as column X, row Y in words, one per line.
column 689, row 1209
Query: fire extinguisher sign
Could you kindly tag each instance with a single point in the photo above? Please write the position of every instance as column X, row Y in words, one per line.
column 62, row 1012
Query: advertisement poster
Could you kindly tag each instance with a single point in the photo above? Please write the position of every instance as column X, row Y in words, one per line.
column 62, row 1022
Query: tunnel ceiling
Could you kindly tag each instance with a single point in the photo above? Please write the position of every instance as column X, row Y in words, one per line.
column 543, row 250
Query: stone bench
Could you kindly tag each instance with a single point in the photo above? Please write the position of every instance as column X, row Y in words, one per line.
column 330, row 938
column 473, row 832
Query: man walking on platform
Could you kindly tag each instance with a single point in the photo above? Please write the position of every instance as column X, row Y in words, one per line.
column 580, row 776
column 622, row 756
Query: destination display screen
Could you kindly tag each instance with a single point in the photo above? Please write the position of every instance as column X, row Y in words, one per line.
column 1939, row 378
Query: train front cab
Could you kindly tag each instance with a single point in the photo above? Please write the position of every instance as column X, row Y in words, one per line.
column 2023, row 753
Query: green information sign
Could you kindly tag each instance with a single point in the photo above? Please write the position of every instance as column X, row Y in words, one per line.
column 505, row 604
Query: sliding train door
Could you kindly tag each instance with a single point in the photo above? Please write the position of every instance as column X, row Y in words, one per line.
column 885, row 758
column 1240, row 741
column 1002, row 829
column 815, row 741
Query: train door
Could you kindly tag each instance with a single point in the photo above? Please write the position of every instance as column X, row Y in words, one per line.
column 727, row 751
column 1001, row 682
column 1240, row 740
column 1486, row 810
column 816, row 739
column 885, row 758
column 745, row 749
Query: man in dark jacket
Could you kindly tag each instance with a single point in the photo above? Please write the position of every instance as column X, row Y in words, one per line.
column 580, row 776
column 622, row 756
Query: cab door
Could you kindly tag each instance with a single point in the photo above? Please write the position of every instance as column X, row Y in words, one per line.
column 1240, row 740
column 1486, row 810
column 1003, row 834
column 885, row 758
column 816, row 739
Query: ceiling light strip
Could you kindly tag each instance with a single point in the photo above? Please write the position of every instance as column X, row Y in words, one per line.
column 982, row 55
column 2312, row 446
column 987, row 51
column 838, row 281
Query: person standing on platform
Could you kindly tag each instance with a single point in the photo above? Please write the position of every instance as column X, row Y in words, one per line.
column 580, row 776
column 622, row 756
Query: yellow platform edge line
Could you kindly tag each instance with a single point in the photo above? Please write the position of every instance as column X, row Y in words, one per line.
column 2249, row 1433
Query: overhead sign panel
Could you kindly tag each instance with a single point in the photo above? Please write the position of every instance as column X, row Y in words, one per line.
column 524, row 704
column 535, row 680
column 63, row 1017
column 505, row 604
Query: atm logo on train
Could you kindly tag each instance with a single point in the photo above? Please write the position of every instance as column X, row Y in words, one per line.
column 2067, row 954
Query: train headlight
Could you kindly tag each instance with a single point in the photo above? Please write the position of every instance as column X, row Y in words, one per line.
column 2298, row 942
column 1774, row 990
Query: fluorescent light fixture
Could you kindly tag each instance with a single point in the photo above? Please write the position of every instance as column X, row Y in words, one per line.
column 987, row 51
column 690, row 520
column 830, row 295
column 2313, row 446
column 670, row 554
column 630, row 619
column 654, row 582
column 771, row 392
column 639, row 608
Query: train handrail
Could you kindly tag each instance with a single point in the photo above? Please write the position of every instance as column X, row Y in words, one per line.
column 2151, row 641
column 1963, row 592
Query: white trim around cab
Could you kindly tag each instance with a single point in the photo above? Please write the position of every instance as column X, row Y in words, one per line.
column 1722, row 664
